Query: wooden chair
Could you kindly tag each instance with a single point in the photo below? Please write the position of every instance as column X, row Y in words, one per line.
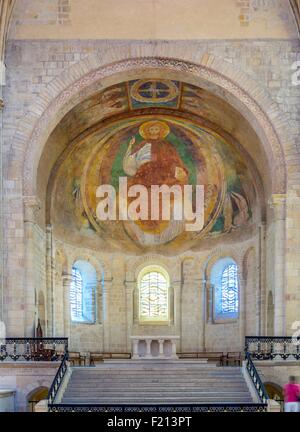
column 97, row 356
column 76, row 358
column 234, row 358
column 211, row 356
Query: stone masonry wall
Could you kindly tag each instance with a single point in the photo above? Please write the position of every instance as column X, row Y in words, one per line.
column 31, row 65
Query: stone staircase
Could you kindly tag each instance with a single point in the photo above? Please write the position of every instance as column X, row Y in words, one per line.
column 178, row 382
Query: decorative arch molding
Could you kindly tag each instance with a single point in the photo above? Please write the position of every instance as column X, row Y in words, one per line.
column 223, row 252
column 100, row 264
column 151, row 260
column 119, row 63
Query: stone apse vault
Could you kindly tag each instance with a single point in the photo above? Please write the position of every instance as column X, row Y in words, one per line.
column 227, row 132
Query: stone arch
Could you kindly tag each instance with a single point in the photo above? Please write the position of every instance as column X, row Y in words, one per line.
column 208, row 265
column 149, row 260
column 80, row 80
column 35, row 396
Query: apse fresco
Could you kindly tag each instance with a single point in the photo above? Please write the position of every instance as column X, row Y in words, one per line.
column 154, row 149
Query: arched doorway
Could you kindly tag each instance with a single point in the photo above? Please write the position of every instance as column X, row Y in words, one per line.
column 38, row 394
column 275, row 392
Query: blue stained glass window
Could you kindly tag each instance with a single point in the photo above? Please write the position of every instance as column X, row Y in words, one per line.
column 230, row 292
column 225, row 287
column 83, row 292
column 76, row 295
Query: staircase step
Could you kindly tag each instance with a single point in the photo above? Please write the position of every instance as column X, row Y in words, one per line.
column 154, row 383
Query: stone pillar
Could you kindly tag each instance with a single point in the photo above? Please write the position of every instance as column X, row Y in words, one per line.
column 278, row 204
column 129, row 288
column 50, row 281
column 177, row 306
column 161, row 347
column 174, row 352
column 262, row 292
column 67, row 280
column 135, row 350
column 148, row 348
column 31, row 207
column 107, row 288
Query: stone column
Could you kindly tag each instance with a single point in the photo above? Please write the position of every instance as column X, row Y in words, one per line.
column 148, row 348
column 31, row 207
column 135, row 350
column 278, row 204
column 67, row 280
column 174, row 352
column 129, row 288
column 262, row 292
column 107, row 288
column 161, row 347
column 177, row 287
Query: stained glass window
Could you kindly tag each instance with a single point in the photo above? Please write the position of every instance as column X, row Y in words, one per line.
column 225, row 287
column 153, row 291
column 83, row 290
column 76, row 295
column 230, row 297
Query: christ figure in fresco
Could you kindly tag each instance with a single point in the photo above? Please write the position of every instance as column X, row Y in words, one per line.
column 154, row 161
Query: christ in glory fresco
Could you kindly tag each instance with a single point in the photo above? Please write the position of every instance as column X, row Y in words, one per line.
column 154, row 161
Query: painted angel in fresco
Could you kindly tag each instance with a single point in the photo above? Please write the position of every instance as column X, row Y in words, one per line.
column 241, row 216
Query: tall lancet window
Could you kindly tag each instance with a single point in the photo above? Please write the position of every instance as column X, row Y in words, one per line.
column 225, row 285
column 230, row 291
column 76, row 294
column 153, row 285
column 83, row 292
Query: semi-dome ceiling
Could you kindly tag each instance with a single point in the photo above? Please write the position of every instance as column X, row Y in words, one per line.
column 172, row 129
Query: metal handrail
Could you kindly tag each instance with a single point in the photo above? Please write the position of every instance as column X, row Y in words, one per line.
column 265, row 347
column 32, row 349
column 181, row 408
column 59, row 377
column 255, row 378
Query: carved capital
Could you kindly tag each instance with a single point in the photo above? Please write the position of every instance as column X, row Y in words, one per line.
column 67, row 280
column 278, row 203
column 31, row 206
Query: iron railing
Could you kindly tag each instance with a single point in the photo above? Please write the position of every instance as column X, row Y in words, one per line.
column 59, row 377
column 273, row 347
column 182, row 408
column 258, row 384
column 33, row 349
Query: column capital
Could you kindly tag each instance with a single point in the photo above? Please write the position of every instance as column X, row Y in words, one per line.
column 66, row 278
column 31, row 206
column 278, row 203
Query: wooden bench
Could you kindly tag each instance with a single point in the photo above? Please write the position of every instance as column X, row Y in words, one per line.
column 76, row 358
column 234, row 358
column 98, row 356
column 213, row 356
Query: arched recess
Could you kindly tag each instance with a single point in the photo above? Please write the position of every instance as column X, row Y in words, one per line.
column 119, row 64
column 88, row 293
column 35, row 396
column 221, row 78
